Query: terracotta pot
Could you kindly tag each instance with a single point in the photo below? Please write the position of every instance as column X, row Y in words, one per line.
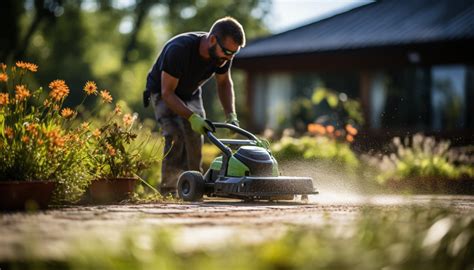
column 111, row 190
column 20, row 195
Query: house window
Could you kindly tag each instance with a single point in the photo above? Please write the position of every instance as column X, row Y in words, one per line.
column 378, row 95
column 448, row 97
column 399, row 99
column 271, row 104
column 422, row 98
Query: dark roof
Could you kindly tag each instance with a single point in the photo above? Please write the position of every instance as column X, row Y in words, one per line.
column 378, row 24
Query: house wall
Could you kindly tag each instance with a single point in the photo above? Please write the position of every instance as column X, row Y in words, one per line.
column 271, row 96
column 414, row 98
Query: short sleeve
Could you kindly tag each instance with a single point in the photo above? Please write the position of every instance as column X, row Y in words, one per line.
column 225, row 68
column 174, row 61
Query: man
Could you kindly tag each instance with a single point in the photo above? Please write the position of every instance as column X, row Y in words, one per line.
column 186, row 62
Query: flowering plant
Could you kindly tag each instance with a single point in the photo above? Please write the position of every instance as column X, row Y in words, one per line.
column 37, row 139
column 421, row 156
column 341, row 122
column 348, row 133
column 115, row 151
column 40, row 139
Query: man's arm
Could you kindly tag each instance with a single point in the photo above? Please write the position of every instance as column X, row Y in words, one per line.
column 168, row 86
column 225, row 89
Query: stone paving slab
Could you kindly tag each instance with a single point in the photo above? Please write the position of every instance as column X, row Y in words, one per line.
column 211, row 223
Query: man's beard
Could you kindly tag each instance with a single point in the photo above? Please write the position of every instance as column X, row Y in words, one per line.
column 219, row 61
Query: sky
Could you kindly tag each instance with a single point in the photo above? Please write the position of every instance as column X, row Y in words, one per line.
column 284, row 14
column 287, row 14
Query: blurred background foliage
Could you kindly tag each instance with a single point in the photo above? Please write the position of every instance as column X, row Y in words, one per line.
column 114, row 42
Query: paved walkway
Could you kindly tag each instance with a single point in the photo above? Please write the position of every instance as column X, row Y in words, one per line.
column 51, row 233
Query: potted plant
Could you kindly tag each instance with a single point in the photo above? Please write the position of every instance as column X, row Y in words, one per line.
column 39, row 150
column 116, row 156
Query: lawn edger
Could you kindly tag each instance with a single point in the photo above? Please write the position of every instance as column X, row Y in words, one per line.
column 246, row 170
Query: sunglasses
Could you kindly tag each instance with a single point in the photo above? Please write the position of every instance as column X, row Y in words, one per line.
column 226, row 51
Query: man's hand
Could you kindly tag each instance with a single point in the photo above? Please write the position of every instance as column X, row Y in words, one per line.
column 198, row 124
column 232, row 119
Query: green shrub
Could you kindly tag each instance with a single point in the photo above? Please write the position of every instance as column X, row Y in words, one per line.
column 318, row 148
column 349, row 110
column 209, row 153
column 420, row 156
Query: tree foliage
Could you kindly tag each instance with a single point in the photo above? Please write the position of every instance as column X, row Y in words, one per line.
column 114, row 42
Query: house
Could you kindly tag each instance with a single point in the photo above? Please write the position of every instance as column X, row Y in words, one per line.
column 410, row 63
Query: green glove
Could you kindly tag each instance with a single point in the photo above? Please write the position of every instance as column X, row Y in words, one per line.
column 232, row 119
column 198, row 124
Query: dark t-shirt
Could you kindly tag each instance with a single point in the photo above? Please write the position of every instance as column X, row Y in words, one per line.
column 180, row 58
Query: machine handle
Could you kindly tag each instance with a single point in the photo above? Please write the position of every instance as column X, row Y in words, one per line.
column 236, row 129
column 226, row 150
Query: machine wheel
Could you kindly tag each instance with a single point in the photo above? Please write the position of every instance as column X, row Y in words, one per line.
column 191, row 186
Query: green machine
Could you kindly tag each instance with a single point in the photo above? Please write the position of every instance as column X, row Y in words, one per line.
column 246, row 170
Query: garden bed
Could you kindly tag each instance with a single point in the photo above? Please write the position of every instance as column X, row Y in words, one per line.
column 432, row 185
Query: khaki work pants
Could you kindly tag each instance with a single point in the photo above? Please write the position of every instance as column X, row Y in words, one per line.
column 182, row 145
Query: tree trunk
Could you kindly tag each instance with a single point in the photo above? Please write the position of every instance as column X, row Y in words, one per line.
column 141, row 12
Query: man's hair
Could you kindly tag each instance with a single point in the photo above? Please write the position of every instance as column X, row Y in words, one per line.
column 229, row 27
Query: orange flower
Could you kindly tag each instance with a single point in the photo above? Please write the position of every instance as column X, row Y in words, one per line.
column 337, row 133
column 110, row 149
column 51, row 134
column 3, row 77
column 127, row 119
column 351, row 130
column 59, row 142
column 59, row 90
column 72, row 138
column 21, row 93
column 67, row 113
column 330, row 129
column 118, row 110
column 9, row 132
column 3, row 66
column 90, row 88
column 31, row 128
column 55, row 137
column 349, row 138
column 4, row 98
column 47, row 103
column 106, row 97
column 25, row 65
column 85, row 125
column 25, row 139
column 40, row 142
column 316, row 129
column 96, row 133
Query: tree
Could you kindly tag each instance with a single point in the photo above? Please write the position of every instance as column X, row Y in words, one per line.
column 80, row 40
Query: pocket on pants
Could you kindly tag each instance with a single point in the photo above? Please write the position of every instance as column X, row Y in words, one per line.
column 196, row 106
column 160, row 108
